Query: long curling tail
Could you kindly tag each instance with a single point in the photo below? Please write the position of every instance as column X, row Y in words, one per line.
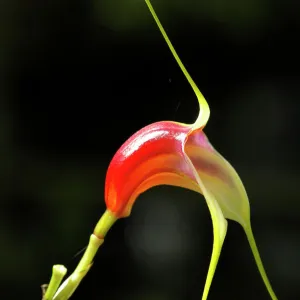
column 203, row 105
column 258, row 261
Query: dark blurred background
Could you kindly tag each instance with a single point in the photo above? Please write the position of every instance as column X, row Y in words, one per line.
column 79, row 77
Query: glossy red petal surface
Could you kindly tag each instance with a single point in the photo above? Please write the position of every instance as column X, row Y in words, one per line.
column 143, row 161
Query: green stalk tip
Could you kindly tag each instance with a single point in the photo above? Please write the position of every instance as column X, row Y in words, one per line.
column 58, row 273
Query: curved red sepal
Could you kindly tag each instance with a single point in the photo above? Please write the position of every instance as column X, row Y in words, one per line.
column 152, row 156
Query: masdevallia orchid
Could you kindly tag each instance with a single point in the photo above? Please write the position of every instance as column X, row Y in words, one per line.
column 177, row 154
column 171, row 153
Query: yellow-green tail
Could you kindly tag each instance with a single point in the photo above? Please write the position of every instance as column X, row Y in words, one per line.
column 204, row 108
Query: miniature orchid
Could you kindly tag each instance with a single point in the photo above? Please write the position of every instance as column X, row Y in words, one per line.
column 178, row 154
column 171, row 153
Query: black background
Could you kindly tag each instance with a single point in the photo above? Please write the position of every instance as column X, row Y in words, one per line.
column 79, row 77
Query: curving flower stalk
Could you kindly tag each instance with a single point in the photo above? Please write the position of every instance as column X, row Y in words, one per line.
column 171, row 153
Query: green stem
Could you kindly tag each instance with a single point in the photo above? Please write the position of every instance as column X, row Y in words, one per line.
column 58, row 273
column 104, row 224
column 258, row 261
column 69, row 286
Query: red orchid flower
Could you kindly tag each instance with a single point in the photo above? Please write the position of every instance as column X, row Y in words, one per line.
column 167, row 153
column 171, row 153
